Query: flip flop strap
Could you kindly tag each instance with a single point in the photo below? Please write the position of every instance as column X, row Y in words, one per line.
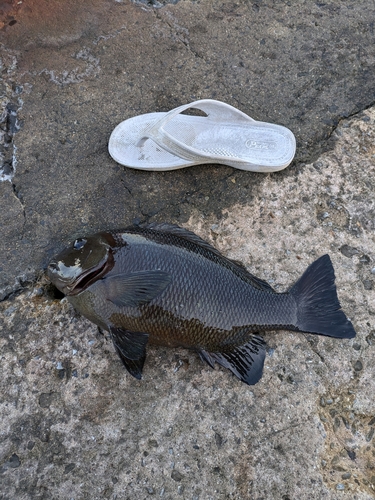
column 216, row 111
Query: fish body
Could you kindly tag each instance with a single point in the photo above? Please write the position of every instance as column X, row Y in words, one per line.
column 164, row 285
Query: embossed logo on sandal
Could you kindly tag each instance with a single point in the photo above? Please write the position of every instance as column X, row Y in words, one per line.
column 261, row 145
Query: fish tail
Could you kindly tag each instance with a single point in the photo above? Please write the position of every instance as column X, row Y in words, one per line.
column 318, row 307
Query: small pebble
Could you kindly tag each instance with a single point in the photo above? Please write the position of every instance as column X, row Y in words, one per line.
column 346, row 423
column 59, row 366
column 14, row 462
column 340, row 487
column 348, row 251
column 176, row 476
column 30, row 445
column 336, row 424
column 370, row 435
column 347, row 475
column 358, row 366
column 69, row 468
column 367, row 284
column 9, row 311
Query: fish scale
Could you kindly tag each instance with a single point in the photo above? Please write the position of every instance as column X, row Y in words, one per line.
column 212, row 294
column 164, row 285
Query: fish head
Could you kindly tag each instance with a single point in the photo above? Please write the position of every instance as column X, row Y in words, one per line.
column 82, row 263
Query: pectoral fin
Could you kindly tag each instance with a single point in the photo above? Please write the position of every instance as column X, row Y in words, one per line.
column 245, row 361
column 135, row 289
column 131, row 347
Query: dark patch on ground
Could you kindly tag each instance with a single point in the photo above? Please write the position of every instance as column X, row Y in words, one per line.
column 302, row 65
column 8, row 13
column 155, row 3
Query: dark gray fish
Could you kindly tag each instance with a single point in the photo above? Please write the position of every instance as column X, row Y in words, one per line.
column 164, row 285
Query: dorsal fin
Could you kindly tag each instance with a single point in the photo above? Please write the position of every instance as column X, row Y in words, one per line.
column 187, row 235
column 181, row 232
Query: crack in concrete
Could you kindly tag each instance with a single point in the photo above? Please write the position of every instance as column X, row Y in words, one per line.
column 153, row 3
column 347, row 117
column 284, row 429
column 320, row 146
column 13, row 293
column 20, row 199
column 314, row 350
column 174, row 27
column 127, row 188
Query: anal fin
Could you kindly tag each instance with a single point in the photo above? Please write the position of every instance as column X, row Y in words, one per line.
column 131, row 347
column 245, row 361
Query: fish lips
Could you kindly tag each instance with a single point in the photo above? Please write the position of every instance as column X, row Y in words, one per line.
column 73, row 280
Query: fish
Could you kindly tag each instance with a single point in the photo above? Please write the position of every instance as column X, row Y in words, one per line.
column 162, row 284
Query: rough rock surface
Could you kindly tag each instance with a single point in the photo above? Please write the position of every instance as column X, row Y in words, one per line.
column 74, row 424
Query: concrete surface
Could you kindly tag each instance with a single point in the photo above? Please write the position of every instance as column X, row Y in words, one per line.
column 74, row 425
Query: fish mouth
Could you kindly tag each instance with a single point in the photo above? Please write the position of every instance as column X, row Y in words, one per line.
column 89, row 277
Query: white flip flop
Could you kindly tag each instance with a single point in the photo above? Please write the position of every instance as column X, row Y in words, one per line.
column 168, row 141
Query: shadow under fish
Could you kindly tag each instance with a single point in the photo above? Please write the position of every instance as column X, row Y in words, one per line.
column 165, row 285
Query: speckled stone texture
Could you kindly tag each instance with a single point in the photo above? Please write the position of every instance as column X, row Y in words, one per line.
column 73, row 424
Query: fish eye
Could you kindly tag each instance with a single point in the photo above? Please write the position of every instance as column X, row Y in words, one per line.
column 79, row 243
column 53, row 266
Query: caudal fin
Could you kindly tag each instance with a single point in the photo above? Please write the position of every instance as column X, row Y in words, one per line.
column 319, row 309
